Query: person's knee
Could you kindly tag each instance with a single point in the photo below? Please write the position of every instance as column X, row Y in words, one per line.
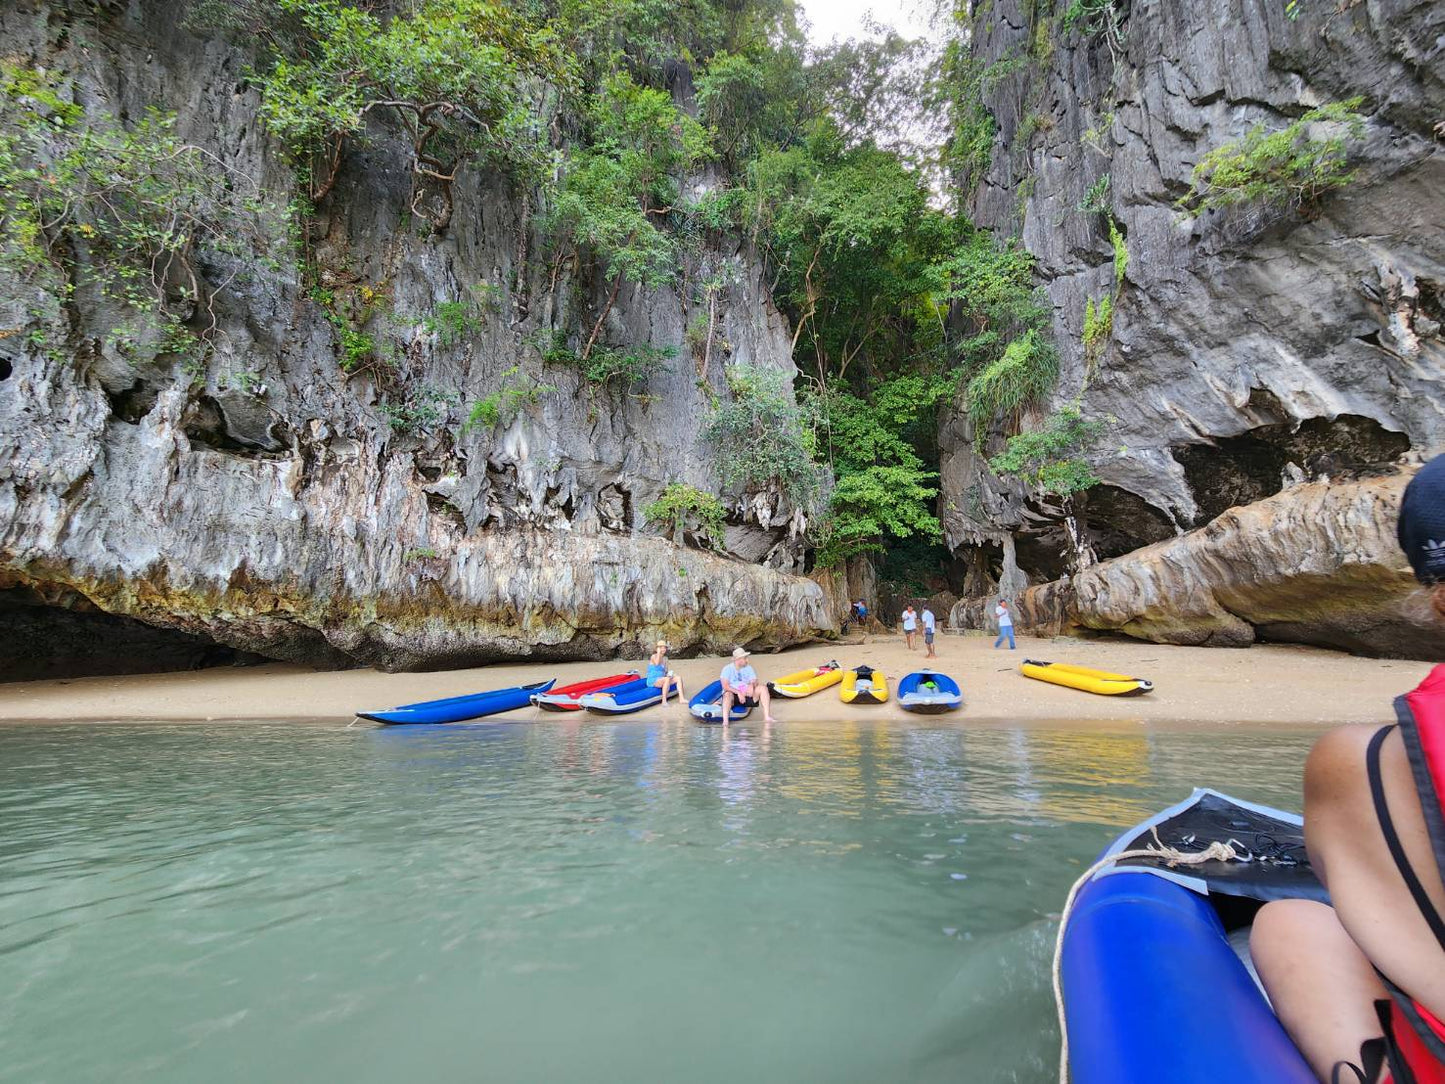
column 1285, row 931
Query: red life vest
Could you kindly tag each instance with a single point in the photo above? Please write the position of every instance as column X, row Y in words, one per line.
column 1415, row 1037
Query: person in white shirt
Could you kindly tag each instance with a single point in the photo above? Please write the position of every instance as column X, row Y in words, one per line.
column 1005, row 624
column 930, row 626
column 910, row 625
column 740, row 683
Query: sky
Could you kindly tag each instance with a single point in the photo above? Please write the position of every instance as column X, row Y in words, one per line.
column 844, row 18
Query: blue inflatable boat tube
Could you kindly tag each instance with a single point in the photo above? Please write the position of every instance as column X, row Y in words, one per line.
column 929, row 691
column 624, row 699
column 458, row 709
column 1153, row 988
column 707, row 705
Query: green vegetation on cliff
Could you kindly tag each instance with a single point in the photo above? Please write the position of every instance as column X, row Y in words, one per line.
column 633, row 136
column 1293, row 166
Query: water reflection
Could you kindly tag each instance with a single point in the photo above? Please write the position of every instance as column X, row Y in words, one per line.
column 862, row 900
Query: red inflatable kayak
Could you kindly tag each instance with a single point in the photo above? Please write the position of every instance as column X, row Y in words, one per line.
column 565, row 698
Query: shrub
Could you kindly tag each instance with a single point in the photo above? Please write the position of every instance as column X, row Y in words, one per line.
column 1096, row 199
column 456, row 75
column 451, row 321
column 1098, row 323
column 358, row 349
column 869, row 506
column 1288, row 166
column 1048, row 458
column 682, row 507
column 1121, row 252
column 421, row 414
column 1026, row 372
column 615, row 367
column 759, row 437
column 158, row 225
column 502, row 405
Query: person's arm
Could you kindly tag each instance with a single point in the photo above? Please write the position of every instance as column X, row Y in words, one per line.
column 726, row 683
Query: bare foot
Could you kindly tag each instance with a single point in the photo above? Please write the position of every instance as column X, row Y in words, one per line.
column 769, row 719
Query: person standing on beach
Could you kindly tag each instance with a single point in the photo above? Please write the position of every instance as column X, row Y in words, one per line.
column 740, row 683
column 910, row 625
column 930, row 626
column 1005, row 625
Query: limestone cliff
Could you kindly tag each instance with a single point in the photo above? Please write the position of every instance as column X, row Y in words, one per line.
column 273, row 502
column 1317, row 564
column 1250, row 347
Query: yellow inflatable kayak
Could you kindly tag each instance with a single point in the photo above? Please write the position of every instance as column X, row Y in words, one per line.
column 1081, row 677
column 863, row 685
column 807, row 682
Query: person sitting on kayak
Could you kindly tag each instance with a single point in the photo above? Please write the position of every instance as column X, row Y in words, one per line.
column 660, row 677
column 740, row 684
column 1375, row 829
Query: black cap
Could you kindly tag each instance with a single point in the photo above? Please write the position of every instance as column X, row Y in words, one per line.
column 1422, row 522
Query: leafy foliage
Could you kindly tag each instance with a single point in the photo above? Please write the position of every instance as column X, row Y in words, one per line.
column 452, row 321
column 452, row 74
column 504, row 404
column 875, row 504
column 682, row 507
column 1121, row 252
column 758, row 435
column 154, row 223
column 1098, row 324
column 1091, row 17
column 427, row 409
column 1049, row 458
column 1025, row 373
column 1096, row 199
column 1289, row 166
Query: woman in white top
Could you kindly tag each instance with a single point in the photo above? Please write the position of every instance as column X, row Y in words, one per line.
column 910, row 625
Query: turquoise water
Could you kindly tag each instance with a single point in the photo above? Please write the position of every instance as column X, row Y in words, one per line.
column 561, row 901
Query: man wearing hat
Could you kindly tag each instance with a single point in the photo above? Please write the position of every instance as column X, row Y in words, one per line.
column 740, row 683
column 1360, row 985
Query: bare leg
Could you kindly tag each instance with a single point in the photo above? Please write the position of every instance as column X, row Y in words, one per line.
column 1322, row 986
column 766, row 699
column 1319, row 981
column 727, row 706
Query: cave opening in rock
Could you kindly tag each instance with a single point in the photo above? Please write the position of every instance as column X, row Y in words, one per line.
column 1251, row 466
column 76, row 640
column 5, row 369
column 133, row 403
column 1120, row 521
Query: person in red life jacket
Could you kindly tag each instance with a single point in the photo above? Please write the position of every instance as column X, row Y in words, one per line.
column 1360, row 986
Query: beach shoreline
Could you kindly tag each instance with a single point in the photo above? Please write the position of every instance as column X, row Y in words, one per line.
column 1260, row 685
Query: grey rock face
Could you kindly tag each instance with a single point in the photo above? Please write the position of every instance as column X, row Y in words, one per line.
column 275, row 503
column 1317, row 564
column 1251, row 347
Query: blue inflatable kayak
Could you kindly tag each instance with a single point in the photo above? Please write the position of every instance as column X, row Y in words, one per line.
column 622, row 699
column 707, row 706
column 1156, row 980
column 929, row 691
column 457, row 709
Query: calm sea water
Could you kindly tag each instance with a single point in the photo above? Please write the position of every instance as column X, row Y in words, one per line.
column 561, row 901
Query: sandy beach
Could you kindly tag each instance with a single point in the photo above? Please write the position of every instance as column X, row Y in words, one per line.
column 1268, row 684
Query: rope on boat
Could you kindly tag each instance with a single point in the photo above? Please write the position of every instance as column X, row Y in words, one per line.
column 1215, row 852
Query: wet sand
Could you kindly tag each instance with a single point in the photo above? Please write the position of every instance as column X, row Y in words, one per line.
column 1271, row 684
